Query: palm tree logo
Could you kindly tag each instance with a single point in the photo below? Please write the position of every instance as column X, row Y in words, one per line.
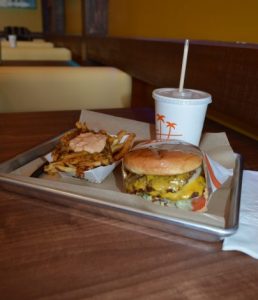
column 170, row 125
column 160, row 119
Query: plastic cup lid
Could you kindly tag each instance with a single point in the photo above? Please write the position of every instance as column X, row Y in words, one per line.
column 187, row 96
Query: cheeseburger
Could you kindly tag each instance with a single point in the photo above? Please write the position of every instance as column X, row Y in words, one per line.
column 170, row 177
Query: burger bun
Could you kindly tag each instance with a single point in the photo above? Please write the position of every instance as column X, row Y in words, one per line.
column 154, row 161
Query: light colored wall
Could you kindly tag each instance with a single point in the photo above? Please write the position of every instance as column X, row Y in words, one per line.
column 30, row 18
column 220, row 20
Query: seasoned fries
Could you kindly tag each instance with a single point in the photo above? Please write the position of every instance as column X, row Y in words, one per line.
column 66, row 159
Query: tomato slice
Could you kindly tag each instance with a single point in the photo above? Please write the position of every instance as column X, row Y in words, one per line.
column 198, row 203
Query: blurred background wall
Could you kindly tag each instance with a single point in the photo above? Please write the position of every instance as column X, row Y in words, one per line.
column 220, row 20
column 30, row 18
column 73, row 20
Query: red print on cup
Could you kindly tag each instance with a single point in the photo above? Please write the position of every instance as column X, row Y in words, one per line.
column 170, row 125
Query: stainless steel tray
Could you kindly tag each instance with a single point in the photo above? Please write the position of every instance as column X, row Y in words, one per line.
column 27, row 185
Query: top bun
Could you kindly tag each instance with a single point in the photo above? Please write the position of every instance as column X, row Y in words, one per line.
column 154, row 161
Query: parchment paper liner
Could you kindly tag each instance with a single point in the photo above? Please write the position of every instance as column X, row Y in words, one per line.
column 216, row 145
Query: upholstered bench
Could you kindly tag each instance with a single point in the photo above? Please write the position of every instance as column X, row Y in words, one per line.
column 63, row 88
column 28, row 44
column 35, row 54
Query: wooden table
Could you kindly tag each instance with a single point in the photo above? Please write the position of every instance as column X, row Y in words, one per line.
column 53, row 252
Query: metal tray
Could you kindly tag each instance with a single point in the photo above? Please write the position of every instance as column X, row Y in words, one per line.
column 198, row 230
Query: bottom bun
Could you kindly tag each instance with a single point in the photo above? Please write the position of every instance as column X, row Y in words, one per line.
column 197, row 204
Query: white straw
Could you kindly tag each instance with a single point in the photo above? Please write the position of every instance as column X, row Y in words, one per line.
column 183, row 68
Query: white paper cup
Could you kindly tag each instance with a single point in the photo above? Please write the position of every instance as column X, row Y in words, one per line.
column 12, row 40
column 180, row 115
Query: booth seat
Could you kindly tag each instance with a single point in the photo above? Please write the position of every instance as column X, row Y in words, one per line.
column 29, row 44
column 24, row 89
column 35, row 54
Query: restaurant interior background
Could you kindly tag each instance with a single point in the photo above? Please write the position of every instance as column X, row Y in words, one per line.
column 217, row 20
column 67, row 245
column 141, row 36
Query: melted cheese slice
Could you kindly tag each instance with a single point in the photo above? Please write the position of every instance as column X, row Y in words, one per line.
column 196, row 186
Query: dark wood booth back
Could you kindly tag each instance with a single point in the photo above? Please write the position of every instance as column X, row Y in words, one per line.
column 228, row 71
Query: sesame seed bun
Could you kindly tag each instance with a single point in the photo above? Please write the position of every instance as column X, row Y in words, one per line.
column 153, row 161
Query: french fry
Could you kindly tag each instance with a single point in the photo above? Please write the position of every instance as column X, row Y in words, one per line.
column 115, row 148
column 76, row 163
column 126, row 147
column 121, row 134
column 70, row 170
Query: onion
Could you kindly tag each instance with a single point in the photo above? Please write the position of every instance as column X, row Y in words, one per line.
column 195, row 175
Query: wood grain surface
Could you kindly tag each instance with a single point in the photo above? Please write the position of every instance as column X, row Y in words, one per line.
column 48, row 251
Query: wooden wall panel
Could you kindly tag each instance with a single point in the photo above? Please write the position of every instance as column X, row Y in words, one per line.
column 228, row 71
column 75, row 43
column 96, row 17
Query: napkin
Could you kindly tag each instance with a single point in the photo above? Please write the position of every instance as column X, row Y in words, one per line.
column 246, row 237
